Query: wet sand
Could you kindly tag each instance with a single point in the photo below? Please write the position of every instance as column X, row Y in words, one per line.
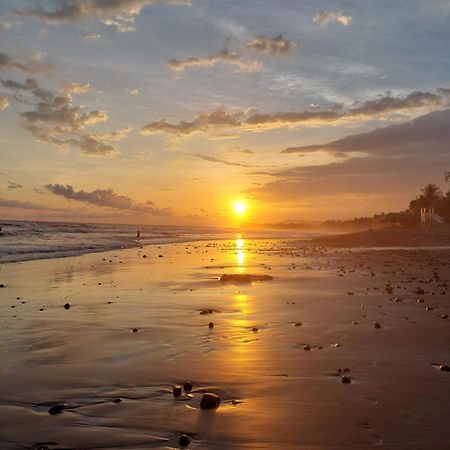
column 277, row 353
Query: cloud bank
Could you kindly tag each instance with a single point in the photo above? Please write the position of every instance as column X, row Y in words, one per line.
column 323, row 18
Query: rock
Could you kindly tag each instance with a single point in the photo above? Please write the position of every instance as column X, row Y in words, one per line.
column 56, row 409
column 117, row 400
column 211, row 324
column 187, row 387
column 177, row 390
column 346, row 380
column 420, row 300
column 398, row 300
column 2, row 285
column 244, row 277
column 307, row 348
column 144, row 256
column 184, row 440
column 350, row 293
column 135, row 330
column 443, row 316
column 66, row 305
column 429, row 308
column 160, row 256
column 419, row 291
column 298, row 324
column 444, row 368
column 255, row 329
column 377, row 325
column 209, row 401
column 207, row 311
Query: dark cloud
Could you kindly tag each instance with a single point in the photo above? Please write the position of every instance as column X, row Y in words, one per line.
column 223, row 161
column 202, row 122
column 381, row 108
column 272, row 46
column 428, row 133
column 22, row 205
column 210, row 60
column 399, row 159
column 13, row 185
column 106, row 198
column 27, row 65
column 123, row 12
column 56, row 120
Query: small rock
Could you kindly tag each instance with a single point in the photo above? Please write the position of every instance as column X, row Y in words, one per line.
column 66, row 305
column 2, row 285
column 184, row 440
column 429, row 308
column 209, row 401
column 444, row 368
column 144, row 256
column 298, row 324
column 377, row 325
column 187, row 387
column 420, row 300
column 443, row 316
column 135, row 330
column 177, row 390
column 56, row 409
column 211, row 324
column 307, row 348
column 255, row 329
column 117, row 400
column 419, row 291
column 346, row 380
column 160, row 256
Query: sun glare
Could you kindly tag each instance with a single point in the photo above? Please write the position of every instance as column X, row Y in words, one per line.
column 239, row 208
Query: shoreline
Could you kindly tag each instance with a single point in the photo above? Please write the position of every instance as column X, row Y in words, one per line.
column 276, row 354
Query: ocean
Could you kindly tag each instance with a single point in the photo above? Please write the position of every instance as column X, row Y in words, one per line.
column 24, row 240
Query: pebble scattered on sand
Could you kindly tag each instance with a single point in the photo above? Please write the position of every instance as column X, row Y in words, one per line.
column 377, row 325
column 307, row 348
column 135, row 330
column 187, row 387
column 66, row 305
column 177, row 390
column 56, row 409
column 346, row 380
column 211, row 324
column 209, row 401
column 184, row 440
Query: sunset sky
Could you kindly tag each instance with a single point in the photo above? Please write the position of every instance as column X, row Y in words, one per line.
column 165, row 112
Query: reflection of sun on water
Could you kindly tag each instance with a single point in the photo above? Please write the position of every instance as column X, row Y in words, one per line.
column 240, row 254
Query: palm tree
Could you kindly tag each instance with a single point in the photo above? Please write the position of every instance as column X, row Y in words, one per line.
column 430, row 196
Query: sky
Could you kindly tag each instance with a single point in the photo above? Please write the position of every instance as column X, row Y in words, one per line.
column 166, row 112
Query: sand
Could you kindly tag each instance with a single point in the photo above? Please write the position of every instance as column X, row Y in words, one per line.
column 276, row 354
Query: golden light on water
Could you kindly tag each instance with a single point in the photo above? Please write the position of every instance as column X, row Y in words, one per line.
column 240, row 254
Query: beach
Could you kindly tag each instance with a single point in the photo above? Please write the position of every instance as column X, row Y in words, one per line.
column 335, row 348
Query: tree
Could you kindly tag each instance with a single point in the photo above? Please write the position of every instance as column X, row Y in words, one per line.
column 430, row 197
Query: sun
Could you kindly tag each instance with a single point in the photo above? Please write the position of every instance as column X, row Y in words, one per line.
column 239, row 207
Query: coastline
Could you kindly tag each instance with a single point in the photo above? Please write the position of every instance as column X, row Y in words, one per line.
column 88, row 356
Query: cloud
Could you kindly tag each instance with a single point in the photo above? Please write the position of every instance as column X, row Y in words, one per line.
column 13, row 185
column 132, row 91
column 28, row 65
column 76, row 88
column 211, row 60
column 272, row 46
column 240, row 151
column 398, row 158
column 323, row 18
column 428, row 133
column 22, row 205
column 118, row 13
column 222, row 161
column 4, row 103
column 202, row 122
column 384, row 107
column 106, row 198
column 91, row 37
column 56, row 120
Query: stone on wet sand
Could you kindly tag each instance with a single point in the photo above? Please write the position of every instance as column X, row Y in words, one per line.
column 187, row 387
column 177, row 390
column 346, row 380
column 135, row 330
column 244, row 277
column 211, row 324
column 184, row 440
column 444, row 368
column 209, row 401
column 306, row 348
column 56, row 409
column 66, row 305
column 377, row 325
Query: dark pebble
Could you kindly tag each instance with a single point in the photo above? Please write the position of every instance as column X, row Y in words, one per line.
column 377, row 325
column 160, row 256
column 298, row 324
column 307, row 348
column 117, row 400
column 56, row 409
column 209, row 401
column 444, row 368
column 135, row 330
column 187, row 386
column 177, row 390
column 346, row 380
column 184, row 440
column 67, row 306
column 211, row 325
column 2, row 285
column 255, row 329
